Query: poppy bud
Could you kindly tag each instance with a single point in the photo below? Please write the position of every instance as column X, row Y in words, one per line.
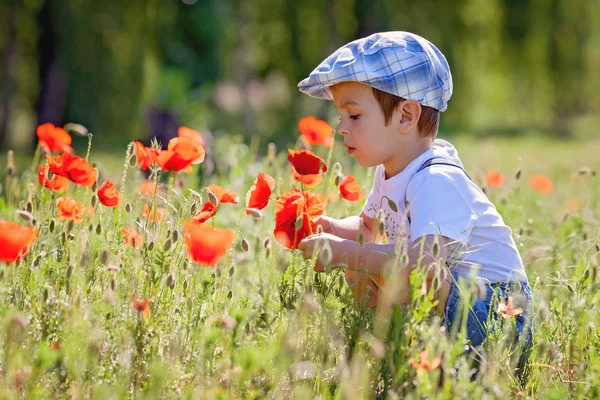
column 337, row 168
column 151, row 246
column 170, row 281
column 175, row 235
column 435, row 249
column 10, row 164
column 104, row 257
column 112, row 284
column 338, row 180
column 255, row 213
column 193, row 209
column 127, row 208
column 95, row 185
column 29, row 207
column 213, row 199
column 272, row 151
column 518, row 174
column 298, row 223
column 51, row 226
column 245, row 245
column 167, row 245
column 231, row 271
column 98, row 229
column 25, row 215
column 94, row 200
column 132, row 161
column 229, row 295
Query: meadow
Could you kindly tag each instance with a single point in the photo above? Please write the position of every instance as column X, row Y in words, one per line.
column 91, row 310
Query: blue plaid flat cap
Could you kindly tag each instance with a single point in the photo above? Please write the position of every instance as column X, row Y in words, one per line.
column 400, row 63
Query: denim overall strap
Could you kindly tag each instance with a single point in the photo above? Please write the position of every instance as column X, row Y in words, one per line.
column 436, row 161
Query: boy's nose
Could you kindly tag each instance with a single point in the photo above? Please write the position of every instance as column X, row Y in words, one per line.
column 342, row 130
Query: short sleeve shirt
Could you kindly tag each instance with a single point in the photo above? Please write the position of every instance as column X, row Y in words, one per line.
column 441, row 199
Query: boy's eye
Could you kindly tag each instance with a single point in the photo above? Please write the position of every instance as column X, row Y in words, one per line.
column 354, row 117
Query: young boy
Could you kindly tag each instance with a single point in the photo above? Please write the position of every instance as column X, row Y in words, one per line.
column 389, row 89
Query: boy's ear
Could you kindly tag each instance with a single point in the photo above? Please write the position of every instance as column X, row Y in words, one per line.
column 410, row 112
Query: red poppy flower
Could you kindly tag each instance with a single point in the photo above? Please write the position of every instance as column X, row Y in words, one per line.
column 15, row 240
column 58, row 184
column 180, row 155
column 423, row 364
column 295, row 213
column 306, row 162
column 349, row 189
column 132, row 237
column 146, row 156
column 53, row 138
column 316, row 131
column 310, row 181
column 223, row 195
column 494, row 178
column 206, row 245
column 207, row 212
column 184, row 131
column 541, row 184
column 154, row 214
column 75, row 168
column 260, row 191
column 147, row 188
column 108, row 194
column 508, row 310
column 70, row 209
column 142, row 306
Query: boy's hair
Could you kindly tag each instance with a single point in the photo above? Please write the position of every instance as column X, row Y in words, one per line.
column 428, row 122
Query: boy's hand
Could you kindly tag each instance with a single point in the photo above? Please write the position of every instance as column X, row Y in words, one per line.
column 326, row 224
column 331, row 243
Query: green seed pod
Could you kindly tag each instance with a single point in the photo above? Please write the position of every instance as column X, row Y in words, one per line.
column 51, row 226
column 245, row 245
column 167, row 245
column 94, row 200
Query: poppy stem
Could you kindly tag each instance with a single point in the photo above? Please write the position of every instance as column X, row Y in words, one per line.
column 35, row 161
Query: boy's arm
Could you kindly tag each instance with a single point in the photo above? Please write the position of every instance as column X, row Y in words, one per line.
column 349, row 228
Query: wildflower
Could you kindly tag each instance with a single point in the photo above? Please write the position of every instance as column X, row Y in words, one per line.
column 349, row 189
column 310, row 181
column 180, row 155
column 305, row 162
column 223, row 195
column 207, row 212
column 260, row 191
column 507, row 310
column 73, row 167
column 295, row 215
column 184, row 131
column 147, row 188
column 494, row 178
column 132, row 237
column 423, row 364
column 53, row 138
column 15, row 240
column 206, row 245
column 316, row 131
column 142, row 306
column 146, row 156
column 108, row 194
column 574, row 206
column 541, row 183
column 153, row 214
column 70, row 209
column 57, row 183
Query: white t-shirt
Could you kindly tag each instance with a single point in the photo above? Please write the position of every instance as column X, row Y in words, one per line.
column 443, row 200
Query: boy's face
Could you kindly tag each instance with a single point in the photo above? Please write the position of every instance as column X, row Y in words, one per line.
column 362, row 124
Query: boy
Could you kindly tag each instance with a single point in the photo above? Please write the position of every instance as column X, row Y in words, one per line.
column 389, row 89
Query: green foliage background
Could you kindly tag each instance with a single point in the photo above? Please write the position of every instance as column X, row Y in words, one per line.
column 519, row 66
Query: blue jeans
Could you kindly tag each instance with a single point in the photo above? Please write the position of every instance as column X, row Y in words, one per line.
column 484, row 306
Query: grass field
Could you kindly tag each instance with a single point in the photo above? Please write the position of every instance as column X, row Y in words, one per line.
column 261, row 324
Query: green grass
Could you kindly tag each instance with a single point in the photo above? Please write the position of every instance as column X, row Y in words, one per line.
column 262, row 324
